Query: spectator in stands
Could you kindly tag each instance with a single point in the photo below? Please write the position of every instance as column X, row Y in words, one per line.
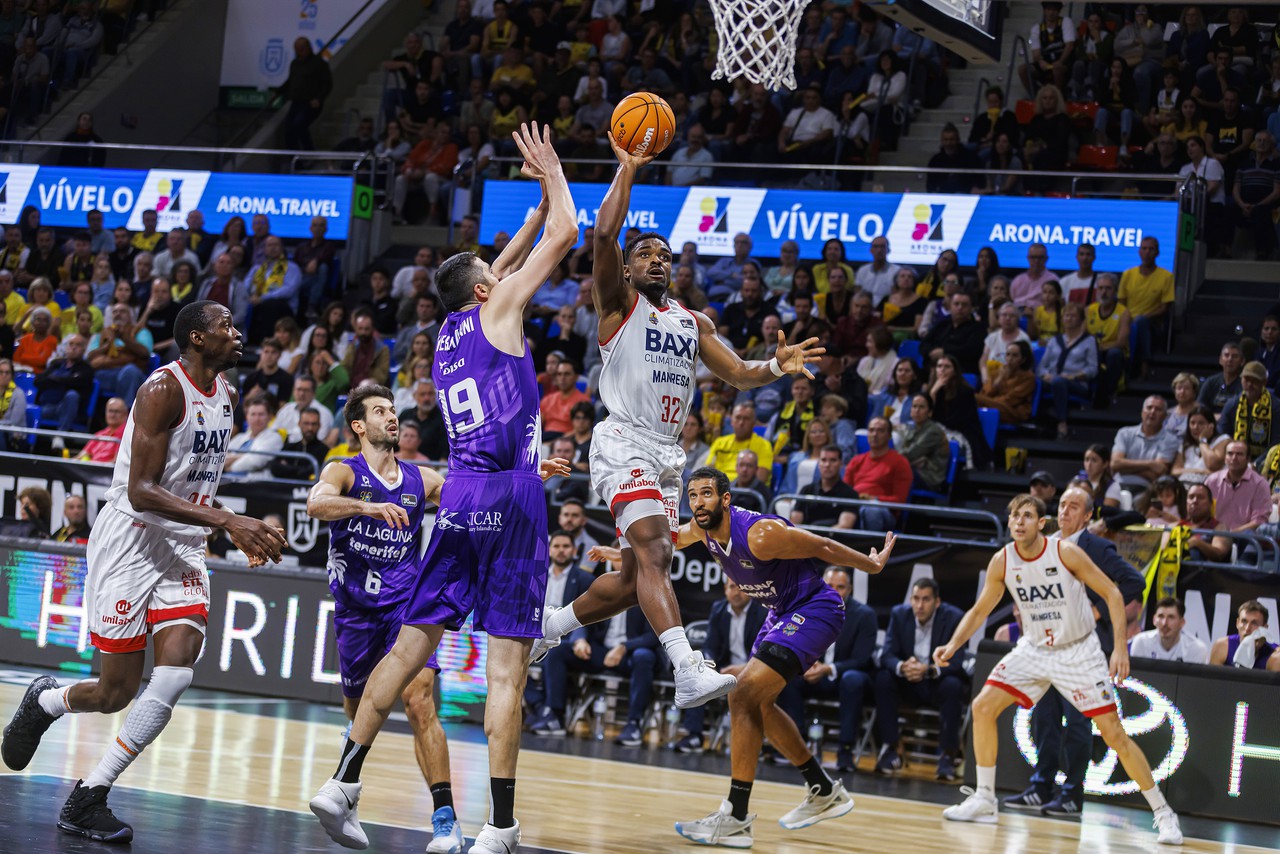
column 35, row 505
column 828, row 485
column 557, row 404
column 175, row 250
column 724, row 451
column 955, row 407
column 1078, row 286
column 802, row 462
column 13, row 406
column 45, row 260
column 1147, row 293
column 1146, row 450
column 565, row 581
column 427, row 167
column 1217, row 222
column 63, row 388
column 733, row 623
column 1213, row 80
column 1044, row 487
column 1220, row 389
column 31, row 75
column 14, row 254
column 596, row 111
column 330, row 376
column 844, row 673
column 1201, row 448
column 304, row 398
column 885, row 92
column 292, row 468
column 756, row 127
column 367, row 357
column 77, row 265
column 558, row 487
column 363, row 141
column 583, row 418
column 747, row 469
column 1093, row 53
column 158, row 318
column 694, row 152
column 1269, row 349
column 1167, row 641
column 102, row 450
column 926, row 446
column 1140, row 44
column 1256, row 192
column 1200, row 516
column 876, row 368
column 421, row 351
column 1069, row 364
column 1046, row 137
column 555, row 293
column 1165, row 503
column 1025, row 289
column 250, row 452
column 35, row 348
column 75, row 521
column 959, row 336
column 1096, row 474
column 409, row 449
column 469, row 238
column 876, row 277
column 808, row 133
column 1002, row 159
column 306, row 89
column 433, row 438
column 1241, row 496
column 725, row 275
column 1248, row 647
column 1052, row 43
column 852, row 331
column 393, row 146
column 267, row 375
column 907, row 670
column 880, row 474
column 1116, row 96
column 993, row 121
column 895, row 402
column 39, row 296
column 950, row 165
column 381, row 306
column 997, row 344
column 1249, row 416
column 742, row 321
column 780, row 278
column 224, row 287
column 903, row 309
column 1108, row 322
column 846, row 74
column 273, row 288
column 314, row 257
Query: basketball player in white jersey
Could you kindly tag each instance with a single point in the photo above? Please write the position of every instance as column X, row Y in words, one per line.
column 146, row 570
column 1059, row 648
column 650, row 345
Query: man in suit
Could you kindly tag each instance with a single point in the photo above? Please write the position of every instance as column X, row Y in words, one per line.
column 565, row 582
column 623, row 645
column 1069, row 747
column 907, row 670
column 731, row 630
column 844, row 673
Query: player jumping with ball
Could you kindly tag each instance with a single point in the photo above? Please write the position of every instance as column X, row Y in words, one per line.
column 1059, row 648
column 650, row 345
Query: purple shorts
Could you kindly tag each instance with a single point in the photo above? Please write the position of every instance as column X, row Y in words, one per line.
column 364, row 637
column 807, row 629
column 488, row 554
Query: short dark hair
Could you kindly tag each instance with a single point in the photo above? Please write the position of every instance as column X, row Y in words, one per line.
column 1255, row 605
column 262, row 398
column 633, row 242
column 572, row 500
column 929, row 584
column 832, row 448
column 1172, row 602
column 561, row 532
column 82, row 237
column 355, row 409
column 456, row 280
column 582, row 407
column 272, row 343
column 719, row 478
column 193, row 318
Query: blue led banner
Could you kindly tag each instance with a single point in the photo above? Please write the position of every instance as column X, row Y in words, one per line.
column 918, row 225
column 64, row 196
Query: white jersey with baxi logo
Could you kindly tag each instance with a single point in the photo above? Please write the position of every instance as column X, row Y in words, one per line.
column 647, row 380
column 1053, row 603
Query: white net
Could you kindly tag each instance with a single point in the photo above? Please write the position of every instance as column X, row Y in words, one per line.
column 757, row 40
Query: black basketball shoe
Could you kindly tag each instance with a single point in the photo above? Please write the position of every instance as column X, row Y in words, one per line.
column 22, row 735
column 86, row 814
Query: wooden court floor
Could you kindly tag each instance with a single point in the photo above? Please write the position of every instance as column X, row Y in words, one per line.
column 248, row 765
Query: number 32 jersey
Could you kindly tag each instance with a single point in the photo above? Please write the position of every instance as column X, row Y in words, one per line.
column 649, row 364
column 489, row 399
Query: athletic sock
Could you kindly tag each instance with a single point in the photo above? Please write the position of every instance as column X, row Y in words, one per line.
column 442, row 795
column 1155, row 799
column 352, row 762
column 502, row 801
column 739, row 798
column 676, row 643
column 561, row 622
column 54, row 701
column 815, row 776
column 987, row 781
column 143, row 724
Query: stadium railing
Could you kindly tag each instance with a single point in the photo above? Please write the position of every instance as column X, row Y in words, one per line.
column 984, row 518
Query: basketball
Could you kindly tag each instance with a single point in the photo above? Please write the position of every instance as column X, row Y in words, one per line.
column 643, row 124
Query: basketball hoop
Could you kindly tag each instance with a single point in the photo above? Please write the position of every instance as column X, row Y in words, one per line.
column 757, row 40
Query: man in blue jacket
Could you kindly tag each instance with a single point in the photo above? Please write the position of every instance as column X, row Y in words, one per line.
column 731, row 630
column 565, row 582
column 1069, row 747
column 907, row 670
column 844, row 673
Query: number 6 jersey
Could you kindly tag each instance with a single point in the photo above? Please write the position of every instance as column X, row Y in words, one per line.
column 489, row 399
column 649, row 365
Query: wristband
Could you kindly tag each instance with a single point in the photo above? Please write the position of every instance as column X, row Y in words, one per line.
column 775, row 367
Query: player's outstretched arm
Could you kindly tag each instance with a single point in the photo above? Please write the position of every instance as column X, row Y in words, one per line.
column 773, row 540
column 327, row 502
column 518, row 247
column 729, row 366
column 561, row 231
column 161, row 403
column 1082, row 567
column 975, row 617
column 686, row 535
column 609, row 292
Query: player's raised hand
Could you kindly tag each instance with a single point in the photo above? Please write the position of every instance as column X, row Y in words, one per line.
column 1119, row 664
column 393, row 514
column 794, row 358
column 540, row 158
column 881, row 556
column 554, row 466
column 259, row 541
column 626, row 158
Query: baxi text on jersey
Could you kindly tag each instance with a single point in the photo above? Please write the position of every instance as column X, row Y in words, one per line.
column 209, row 441
column 450, row 342
column 1040, row 592
column 680, row 346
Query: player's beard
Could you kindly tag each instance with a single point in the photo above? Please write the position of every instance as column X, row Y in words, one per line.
column 386, row 443
column 714, row 518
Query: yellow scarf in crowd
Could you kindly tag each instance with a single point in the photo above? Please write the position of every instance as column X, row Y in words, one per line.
column 1253, row 424
column 264, row 280
column 1162, row 572
column 6, row 399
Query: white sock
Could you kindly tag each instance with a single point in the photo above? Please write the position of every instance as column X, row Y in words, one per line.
column 677, row 646
column 987, row 781
column 1155, row 799
column 561, row 622
column 144, row 722
column 54, row 701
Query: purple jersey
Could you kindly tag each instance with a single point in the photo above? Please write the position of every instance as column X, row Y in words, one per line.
column 373, row 566
column 489, row 399
column 781, row 584
column 1260, row 660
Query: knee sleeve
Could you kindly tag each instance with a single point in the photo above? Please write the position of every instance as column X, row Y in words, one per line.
column 154, row 708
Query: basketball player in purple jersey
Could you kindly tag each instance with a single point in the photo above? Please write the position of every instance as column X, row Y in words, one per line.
column 488, row 554
column 650, row 345
column 781, row 566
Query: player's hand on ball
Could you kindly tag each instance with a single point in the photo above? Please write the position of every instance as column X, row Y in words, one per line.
column 554, row 466
column 258, row 540
column 393, row 514
column 625, row 157
column 881, row 556
column 604, row 553
column 794, row 358
column 1119, row 665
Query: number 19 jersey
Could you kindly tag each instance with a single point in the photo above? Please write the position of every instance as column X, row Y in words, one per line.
column 489, row 399
column 649, row 364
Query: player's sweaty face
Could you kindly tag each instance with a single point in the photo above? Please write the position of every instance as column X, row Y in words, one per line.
column 650, row 262
column 706, row 506
column 1023, row 522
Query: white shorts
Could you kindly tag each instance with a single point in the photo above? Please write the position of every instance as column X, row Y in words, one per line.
column 638, row 469
column 1079, row 672
column 141, row 576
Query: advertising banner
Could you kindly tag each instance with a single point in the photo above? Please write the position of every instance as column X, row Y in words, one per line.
column 66, row 195
column 918, row 225
column 259, row 40
column 1209, row 733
